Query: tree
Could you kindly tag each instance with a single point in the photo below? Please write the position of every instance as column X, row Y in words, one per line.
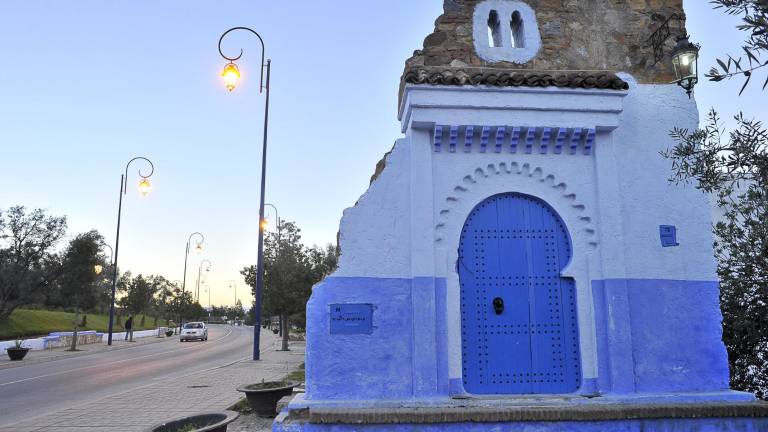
column 78, row 280
column 754, row 17
column 27, row 259
column 290, row 271
column 287, row 275
column 735, row 171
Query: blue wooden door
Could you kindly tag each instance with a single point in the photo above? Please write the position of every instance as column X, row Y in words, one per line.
column 518, row 316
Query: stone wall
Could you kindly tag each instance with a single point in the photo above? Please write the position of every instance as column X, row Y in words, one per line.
column 576, row 35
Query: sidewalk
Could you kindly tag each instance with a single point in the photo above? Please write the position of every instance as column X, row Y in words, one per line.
column 143, row 407
column 41, row 356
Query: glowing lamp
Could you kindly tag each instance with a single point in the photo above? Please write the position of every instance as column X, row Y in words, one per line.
column 98, row 269
column 685, row 59
column 264, row 223
column 231, row 75
column 199, row 248
column 144, row 186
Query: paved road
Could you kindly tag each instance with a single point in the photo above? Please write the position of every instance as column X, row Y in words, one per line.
column 39, row 389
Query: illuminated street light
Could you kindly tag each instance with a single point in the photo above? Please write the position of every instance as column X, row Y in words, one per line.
column 207, row 265
column 231, row 74
column 144, row 188
column 198, row 249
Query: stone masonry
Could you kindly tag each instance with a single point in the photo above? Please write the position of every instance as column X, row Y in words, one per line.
column 577, row 35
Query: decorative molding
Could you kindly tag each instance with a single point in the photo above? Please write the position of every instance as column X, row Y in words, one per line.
column 477, row 137
column 513, row 78
column 524, row 170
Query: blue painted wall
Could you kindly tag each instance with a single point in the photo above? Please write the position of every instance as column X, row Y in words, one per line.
column 658, row 336
column 676, row 425
column 653, row 336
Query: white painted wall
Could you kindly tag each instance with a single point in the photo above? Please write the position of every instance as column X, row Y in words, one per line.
column 409, row 222
column 39, row 343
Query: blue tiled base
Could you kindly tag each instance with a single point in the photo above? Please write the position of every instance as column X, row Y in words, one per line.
column 651, row 425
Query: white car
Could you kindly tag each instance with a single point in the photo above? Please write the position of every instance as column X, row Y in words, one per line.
column 194, row 331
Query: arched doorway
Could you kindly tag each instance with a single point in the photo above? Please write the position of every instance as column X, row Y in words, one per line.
column 518, row 315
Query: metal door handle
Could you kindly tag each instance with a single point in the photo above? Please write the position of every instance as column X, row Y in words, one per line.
column 498, row 305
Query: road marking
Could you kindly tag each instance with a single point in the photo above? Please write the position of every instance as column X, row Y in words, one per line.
column 110, row 363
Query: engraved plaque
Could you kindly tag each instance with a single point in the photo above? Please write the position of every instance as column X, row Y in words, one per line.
column 348, row 319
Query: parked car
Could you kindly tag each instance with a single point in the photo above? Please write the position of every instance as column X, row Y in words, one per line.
column 194, row 331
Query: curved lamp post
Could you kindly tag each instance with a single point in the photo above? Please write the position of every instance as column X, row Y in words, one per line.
column 207, row 265
column 198, row 249
column 144, row 188
column 231, row 75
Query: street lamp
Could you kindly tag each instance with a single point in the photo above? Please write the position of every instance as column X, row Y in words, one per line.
column 144, row 188
column 199, row 271
column 231, row 74
column 198, row 249
column 685, row 55
column 685, row 59
column 98, row 268
column 233, row 284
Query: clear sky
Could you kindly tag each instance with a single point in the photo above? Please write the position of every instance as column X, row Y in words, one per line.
column 86, row 85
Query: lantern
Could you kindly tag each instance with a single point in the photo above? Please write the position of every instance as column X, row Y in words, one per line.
column 231, row 74
column 685, row 59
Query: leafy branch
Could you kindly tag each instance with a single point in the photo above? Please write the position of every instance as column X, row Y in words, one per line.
column 754, row 21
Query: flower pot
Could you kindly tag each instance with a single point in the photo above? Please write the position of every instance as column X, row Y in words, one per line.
column 16, row 354
column 275, row 331
column 263, row 397
column 169, row 333
column 210, row 422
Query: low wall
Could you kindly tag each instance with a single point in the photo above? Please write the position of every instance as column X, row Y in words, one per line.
column 64, row 339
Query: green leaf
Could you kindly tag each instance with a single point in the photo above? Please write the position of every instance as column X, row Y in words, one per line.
column 749, row 77
column 722, row 65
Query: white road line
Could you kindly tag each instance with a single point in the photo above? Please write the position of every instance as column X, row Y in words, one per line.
column 110, row 363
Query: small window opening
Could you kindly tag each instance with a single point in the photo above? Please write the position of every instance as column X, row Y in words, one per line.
column 494, row 30
column 518, row 39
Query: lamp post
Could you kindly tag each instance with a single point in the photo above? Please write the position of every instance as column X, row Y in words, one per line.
column 198, row 249
column 144, row 188
column 231, row 74
column 199, row 272
column 233, row 284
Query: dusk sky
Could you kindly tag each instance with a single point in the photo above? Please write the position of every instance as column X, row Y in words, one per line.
column 87, row 85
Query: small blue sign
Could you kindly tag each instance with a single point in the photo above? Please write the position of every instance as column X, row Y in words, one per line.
column 668, row 234
column 347, row 319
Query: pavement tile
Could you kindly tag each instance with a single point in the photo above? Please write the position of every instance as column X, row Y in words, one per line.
column 136, row 410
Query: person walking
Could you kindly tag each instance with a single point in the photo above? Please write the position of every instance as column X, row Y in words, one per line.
column 129, row 328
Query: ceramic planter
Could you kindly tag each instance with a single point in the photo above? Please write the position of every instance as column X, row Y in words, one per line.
column 264, row 400
column 17, row 354
column 209, row 422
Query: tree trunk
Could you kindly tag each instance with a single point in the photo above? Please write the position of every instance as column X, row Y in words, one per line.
column 143, row 316
column 156, row 319
column 73, row 346
column 280, row 324
column 284, row 319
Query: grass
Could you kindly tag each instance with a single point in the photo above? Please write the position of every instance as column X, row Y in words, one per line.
column 297, row 375
column 26, row 324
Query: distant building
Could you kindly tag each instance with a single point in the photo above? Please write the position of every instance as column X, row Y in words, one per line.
column 520, row 261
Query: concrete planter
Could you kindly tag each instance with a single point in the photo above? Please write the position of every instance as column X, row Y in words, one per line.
column 209, row 422
column 264, row 400
column 169, row 333
column 16, row 354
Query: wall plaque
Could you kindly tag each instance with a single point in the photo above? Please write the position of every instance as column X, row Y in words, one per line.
column 349, row 319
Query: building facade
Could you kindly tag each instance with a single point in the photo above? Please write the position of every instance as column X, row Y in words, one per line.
column 520, row 261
